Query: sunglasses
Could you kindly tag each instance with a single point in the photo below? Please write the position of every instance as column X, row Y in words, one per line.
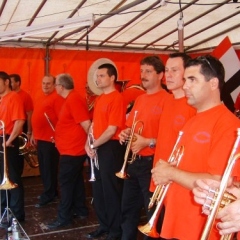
column 204, row 59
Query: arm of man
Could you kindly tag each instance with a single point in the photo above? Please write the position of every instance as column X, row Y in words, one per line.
column 17, row 129
column 106, row 135
column 29, row 124
column 85, row 125
column 164, row 173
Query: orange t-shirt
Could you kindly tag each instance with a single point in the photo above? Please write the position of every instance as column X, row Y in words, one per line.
column 108, row 110
column 149, row 108
column 208, row 139
column 11, row 109
column 51, row 104
column 175, row 115
column 70, row 137
column 130, row 94
column 27, row 100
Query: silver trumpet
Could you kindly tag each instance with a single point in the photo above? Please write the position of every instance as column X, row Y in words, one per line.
column 93, row 161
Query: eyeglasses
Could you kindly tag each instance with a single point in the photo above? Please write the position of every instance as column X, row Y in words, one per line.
column 204, row 59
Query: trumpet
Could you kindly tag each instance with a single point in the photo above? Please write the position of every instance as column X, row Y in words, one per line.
column 93, row 161
column 6, row 183
column 221, row 197
column 28, row 151
column 127, row 158
column 150, row 229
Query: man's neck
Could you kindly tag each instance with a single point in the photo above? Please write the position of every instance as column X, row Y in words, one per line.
column 5, row 93
column 154, row 90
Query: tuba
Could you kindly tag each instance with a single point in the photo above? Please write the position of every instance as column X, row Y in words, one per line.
column 221, row 198
column 150, row 229
column 28, row 151
column 6, row 183
column 130, row 157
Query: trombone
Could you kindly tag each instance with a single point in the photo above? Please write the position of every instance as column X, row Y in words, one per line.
column 222, row 198
column 93, row 161
column 50, row 124
column 6, row 183
column 150, row 229
column 127, row 158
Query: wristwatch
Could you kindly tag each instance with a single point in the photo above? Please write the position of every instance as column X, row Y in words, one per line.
column 91, row 146
column 152, row 143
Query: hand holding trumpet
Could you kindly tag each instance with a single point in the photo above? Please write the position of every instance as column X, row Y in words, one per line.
column 229, row 215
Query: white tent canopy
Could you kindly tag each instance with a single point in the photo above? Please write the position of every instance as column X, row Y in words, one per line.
column 127, row 25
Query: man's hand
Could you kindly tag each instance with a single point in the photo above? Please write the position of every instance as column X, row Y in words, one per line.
column 162, row 172
column 124, row 135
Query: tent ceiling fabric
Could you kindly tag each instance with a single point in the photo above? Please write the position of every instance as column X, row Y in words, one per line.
column 127, row 25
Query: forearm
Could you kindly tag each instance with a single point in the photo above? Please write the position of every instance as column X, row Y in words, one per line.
column 29, row 125
column 105, row 136
column 187, row 179
column 17, row 129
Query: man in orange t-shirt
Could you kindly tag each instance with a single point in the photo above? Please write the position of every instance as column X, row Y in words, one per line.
column 207, row 139
column 12, row 115
column 108, row 121
column 48, row 103
column 27, row 102
column 70, row 138
column 175, row 114
column 147, row 109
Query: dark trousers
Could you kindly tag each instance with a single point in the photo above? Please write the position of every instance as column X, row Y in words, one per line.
column 48, row 158
column 15, row 168
column 71, row 183
column 136, row 195
column 107, row 189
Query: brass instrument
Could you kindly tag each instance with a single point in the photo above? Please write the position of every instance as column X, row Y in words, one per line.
column 6, row 183
column 93, row 161
column 28, row 151
column 150, row 229
column 50, row 124
column 127, row 158
column 221, row 197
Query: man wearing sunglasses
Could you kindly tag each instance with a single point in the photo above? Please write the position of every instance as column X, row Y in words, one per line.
column 207, row 139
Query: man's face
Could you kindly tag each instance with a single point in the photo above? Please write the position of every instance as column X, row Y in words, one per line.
column 103, row 79
column 196, row 88
column 3, row 86
column 15, row 85
column 149, row 77
column 174, row 72
column 48, row 85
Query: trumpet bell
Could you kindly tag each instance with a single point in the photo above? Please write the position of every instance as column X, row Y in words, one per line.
column 149, row 230
column 122, row 175
column 7, row 184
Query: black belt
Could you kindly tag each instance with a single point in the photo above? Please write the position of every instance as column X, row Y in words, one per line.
column 148, row 158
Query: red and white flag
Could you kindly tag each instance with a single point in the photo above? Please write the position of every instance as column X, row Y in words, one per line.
column 227, row 55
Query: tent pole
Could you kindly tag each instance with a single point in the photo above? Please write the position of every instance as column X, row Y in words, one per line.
column 47, row 59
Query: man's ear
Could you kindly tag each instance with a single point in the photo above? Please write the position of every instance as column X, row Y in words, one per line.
column 214, row 82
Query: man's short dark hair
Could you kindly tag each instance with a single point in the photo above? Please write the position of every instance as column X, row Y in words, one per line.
column 154, row 61
column 210, row 67
column 4, row 76
column 111, row 70
column 16, row 78
column 183, row 56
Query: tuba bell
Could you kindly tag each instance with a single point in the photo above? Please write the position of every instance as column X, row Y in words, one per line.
column 221, row 198
column 6, row 183
column 130, row 157
column 150, row 229
column 28, row 151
